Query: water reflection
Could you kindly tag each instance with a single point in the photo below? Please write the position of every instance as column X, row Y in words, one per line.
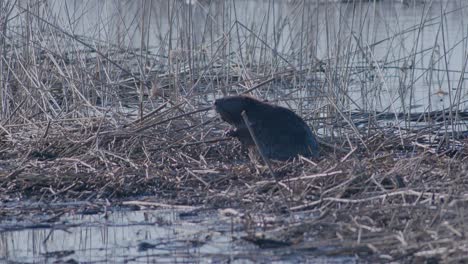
column 141, row 236
column 117, row 237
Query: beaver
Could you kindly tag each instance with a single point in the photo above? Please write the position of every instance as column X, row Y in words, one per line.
column 281, row 134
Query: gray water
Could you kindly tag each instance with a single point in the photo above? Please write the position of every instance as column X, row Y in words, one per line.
column 148, row 236
column 418, row 48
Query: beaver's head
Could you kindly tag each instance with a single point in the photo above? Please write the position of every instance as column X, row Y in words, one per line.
column 230, row 108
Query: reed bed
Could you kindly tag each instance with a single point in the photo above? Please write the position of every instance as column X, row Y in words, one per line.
column 90, row 120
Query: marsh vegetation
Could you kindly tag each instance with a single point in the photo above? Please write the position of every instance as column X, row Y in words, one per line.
column 108, row 103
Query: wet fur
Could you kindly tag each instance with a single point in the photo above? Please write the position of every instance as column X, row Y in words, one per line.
column 280, row 132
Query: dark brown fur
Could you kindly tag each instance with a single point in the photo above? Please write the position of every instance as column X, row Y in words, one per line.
column 281, row 133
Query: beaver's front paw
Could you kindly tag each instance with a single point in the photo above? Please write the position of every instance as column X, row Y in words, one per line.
column 232, row 133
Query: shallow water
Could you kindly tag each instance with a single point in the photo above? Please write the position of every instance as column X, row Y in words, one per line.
column 146, row 236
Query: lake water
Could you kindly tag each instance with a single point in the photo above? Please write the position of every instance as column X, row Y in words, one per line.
column 383, row 55
column 147, row 236
column 417, row 49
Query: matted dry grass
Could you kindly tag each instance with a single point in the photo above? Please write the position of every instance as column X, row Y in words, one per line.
column 372, row 196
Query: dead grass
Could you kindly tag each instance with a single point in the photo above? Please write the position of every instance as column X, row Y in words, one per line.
column 380, row 201
column 105, row 123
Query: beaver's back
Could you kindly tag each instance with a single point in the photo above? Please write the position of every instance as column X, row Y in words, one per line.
column 281, row 134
